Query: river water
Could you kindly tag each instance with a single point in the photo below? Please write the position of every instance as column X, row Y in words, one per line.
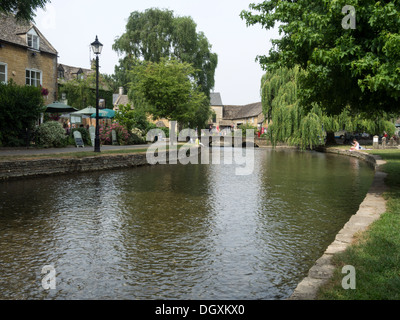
column 177, row 231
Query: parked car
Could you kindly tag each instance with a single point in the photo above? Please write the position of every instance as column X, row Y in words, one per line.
column 363, row 135
column 340, row 134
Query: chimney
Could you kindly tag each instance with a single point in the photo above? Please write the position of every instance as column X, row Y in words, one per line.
column 121, row 91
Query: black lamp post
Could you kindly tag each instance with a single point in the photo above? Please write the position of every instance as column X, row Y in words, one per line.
column 97, row 47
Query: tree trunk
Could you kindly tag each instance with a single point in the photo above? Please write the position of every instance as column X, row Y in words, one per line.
column 330, row 139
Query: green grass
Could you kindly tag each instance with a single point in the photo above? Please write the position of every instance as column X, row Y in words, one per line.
column 376, row 252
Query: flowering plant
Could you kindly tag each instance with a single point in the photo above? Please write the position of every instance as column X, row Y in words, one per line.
column 44, row 91
column 106, row 134
column 55, row 116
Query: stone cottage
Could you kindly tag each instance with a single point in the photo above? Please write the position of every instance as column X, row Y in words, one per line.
column 232, row 116
column 26, row 56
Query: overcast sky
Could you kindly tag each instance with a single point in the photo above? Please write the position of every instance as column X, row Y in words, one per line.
column 70, row 26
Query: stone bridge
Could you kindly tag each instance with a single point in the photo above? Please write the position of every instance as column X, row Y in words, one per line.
column 229, row 141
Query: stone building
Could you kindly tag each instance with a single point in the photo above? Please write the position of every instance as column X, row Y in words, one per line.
column 120, row 99
column 251, row 114
column 67, row 73
column 26, row 57
column 217, row 108
column 232, row 116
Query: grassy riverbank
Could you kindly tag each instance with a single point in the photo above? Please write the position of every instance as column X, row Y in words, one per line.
column 375, row 254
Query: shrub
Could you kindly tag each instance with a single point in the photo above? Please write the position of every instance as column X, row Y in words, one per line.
column 51, row 134
column 166, row 131
column 20, row 107
column 121, row 132
column 247, row 126
column 105, row 135
column 137, row 136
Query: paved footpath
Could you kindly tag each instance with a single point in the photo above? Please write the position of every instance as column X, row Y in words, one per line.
column 34, row 151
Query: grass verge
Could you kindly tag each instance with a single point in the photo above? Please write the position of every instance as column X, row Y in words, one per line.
column 375, row 255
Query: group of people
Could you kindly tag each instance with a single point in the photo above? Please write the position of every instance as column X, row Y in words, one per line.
column 357, row 146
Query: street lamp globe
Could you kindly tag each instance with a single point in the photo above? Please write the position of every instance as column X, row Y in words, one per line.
column 96, row 46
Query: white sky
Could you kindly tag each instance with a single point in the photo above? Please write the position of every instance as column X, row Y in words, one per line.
column 70, row 26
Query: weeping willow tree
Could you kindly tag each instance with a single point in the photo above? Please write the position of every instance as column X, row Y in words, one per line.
column 288, row 121
column 292, row 123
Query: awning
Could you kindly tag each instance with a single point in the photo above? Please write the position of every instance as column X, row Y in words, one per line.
column 58, row 107
column 86, row 111
column 105, row 113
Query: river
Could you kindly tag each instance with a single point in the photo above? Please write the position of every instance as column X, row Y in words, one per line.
column 177, row 231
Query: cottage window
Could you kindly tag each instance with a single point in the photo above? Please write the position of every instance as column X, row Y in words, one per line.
column 3, row 73
column 33, row 78
column 33, row 40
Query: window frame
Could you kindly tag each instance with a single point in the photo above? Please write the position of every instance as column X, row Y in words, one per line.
column 36, row 71
column 31, row 37
column 5, row 72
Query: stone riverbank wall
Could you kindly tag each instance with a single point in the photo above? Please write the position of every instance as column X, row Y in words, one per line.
column 19, row 169
column 370, row 210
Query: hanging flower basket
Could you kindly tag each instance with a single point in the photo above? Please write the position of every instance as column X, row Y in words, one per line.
column 45, row 92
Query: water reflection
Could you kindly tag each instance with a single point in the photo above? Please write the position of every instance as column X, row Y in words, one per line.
column 177, row 232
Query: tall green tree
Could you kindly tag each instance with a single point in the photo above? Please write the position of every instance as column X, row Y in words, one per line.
column 23, row 9
column 169, row 90
column 132, row 118
column 155, row 34
column 291, row 123
column 356, row 67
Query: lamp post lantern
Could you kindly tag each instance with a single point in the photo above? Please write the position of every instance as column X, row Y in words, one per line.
column 97, row 47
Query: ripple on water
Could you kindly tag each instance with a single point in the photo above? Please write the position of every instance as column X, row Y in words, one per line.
column 177, row 232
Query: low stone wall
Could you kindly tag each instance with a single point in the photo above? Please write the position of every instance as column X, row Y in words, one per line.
column 18, row 169
column 370, row 210
column 369, row 158
column 45, row 167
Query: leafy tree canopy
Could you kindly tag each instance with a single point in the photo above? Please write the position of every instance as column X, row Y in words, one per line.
column 169, row 90
column 132, row 118
column 155, row 34
column 345, row 67
column 23, row 9
column 293, row 124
